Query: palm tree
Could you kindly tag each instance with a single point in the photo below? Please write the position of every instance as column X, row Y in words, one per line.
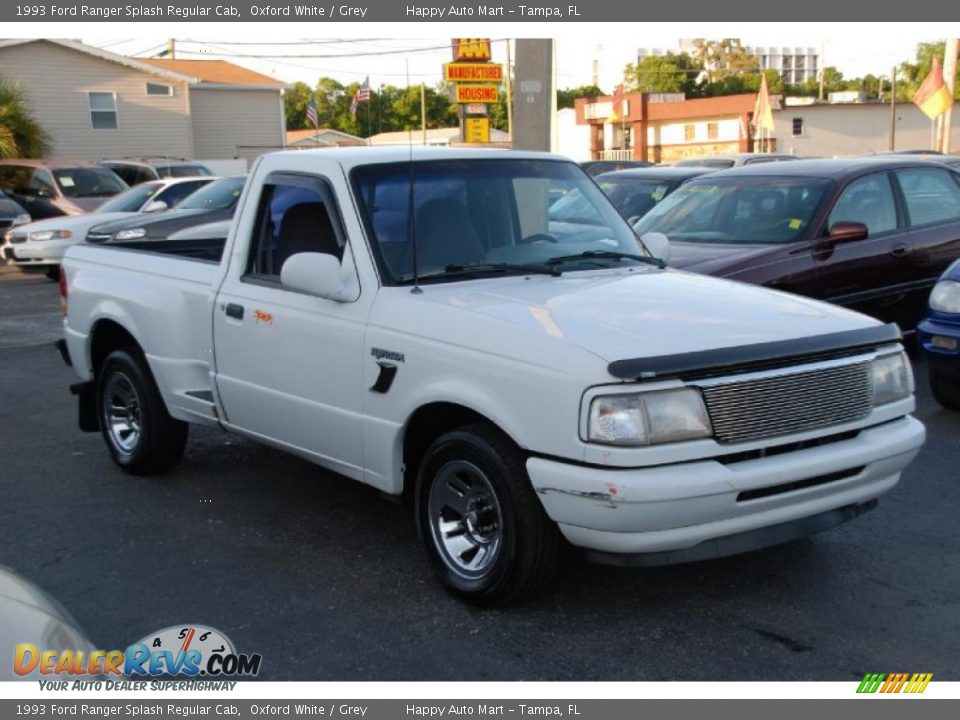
column 20, row 134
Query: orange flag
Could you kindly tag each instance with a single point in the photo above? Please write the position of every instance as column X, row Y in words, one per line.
column 762, row 110
column 933, row 96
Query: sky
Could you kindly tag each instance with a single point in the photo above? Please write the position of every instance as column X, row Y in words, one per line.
column 390, row 53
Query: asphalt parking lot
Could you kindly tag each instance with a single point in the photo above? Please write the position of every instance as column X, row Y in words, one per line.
column 327, row 581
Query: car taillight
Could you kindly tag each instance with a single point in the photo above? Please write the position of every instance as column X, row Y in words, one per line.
column 63, row 291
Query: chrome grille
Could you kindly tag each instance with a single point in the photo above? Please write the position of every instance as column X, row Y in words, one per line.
column 16, row 237
column 764, row 407
column 98, row 237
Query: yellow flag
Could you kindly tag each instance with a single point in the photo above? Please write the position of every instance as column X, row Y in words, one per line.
column 762, row 111
column 933, row 97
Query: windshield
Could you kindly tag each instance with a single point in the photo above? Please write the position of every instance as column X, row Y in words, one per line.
column 738, row 210
column 218, row 195
column 81, row 182
column 634, row 197
column 131, row 200
column 471, row 212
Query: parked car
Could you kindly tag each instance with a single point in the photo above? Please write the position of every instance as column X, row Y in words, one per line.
column 518, row 387
column 597, row 167
column 12, row 214
column 733, row 160
column 135, row 172
column 40, row 246
column 869, row 234
column 635, row 192
column 49, row 189
column 939, row 336
column 216, row 201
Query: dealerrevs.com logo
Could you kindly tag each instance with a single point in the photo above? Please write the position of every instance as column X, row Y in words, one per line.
column 890, row 683
column 180, row 650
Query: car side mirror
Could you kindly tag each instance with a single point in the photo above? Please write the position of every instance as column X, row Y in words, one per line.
column 658, row 244
column 318, row 274
column 844, row 231
column 155, row 206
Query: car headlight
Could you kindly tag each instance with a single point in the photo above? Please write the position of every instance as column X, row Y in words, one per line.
column 21, row 220
column 649, row 418
column 132, row 234
column 41, row 235
column 945, row 297
column 891, row 377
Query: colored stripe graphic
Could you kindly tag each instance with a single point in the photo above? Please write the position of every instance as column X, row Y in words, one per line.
column 894, row 683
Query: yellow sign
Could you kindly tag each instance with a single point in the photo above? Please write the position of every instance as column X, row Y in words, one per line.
column 471, row 49
column 476, row 129
column 477, row 94
column 473, row 72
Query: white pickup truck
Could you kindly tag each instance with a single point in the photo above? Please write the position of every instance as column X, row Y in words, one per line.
column 417, row 321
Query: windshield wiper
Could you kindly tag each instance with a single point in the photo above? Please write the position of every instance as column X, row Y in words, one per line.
column 484, row 268
column 605, row 255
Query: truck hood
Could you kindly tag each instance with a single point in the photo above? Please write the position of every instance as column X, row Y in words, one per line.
column 616, row 314
column 713, row 258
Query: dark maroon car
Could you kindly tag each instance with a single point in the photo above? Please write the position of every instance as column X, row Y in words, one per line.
column 869, row 234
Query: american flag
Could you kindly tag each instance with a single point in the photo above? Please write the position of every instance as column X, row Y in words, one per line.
column 312, row 112
column 361, row 95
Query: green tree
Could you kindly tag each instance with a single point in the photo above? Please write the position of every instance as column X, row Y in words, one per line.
column 295, row 101
column 20, row 133
column 567, row 96
column 670, row 73
column 911, row 75
column 724, row 58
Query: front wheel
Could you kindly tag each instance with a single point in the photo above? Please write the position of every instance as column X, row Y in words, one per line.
column 945, row 389
column 484, row 530
column 142, row 437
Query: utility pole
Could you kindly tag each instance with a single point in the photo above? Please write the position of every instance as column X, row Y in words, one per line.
column 823, row 46
column 172, row 49
column 893, row 109
column 950, row 77
column 423, row 110
column 509, row 97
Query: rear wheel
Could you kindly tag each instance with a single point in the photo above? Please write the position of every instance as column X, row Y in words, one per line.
column 946, row 389
column 484, row 530
column 142, row 437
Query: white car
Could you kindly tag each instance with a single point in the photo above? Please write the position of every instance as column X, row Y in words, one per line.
column 39, row 246
column 519, row 385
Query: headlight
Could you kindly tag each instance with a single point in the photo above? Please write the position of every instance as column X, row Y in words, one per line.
column 41, row 235
column 945, row 297
column 649, row 418
column 132, row 234
column 21, row 220
column 892, row 378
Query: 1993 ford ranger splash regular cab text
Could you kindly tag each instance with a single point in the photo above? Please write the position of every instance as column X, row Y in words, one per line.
column 521, row 379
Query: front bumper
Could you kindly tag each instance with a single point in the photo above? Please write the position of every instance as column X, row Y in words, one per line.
column 664, row 509
column 945, row 360
column 48, row 253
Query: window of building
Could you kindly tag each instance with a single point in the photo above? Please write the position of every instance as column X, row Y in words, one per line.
column 797, row 126
column 103, row 110
column 713, row 131
column 689, row 133
column 159, row 89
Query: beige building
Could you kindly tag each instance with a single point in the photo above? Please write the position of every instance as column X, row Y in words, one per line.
column 321, row 138
column 815, row 129
column 435, row 137
column 96, row 104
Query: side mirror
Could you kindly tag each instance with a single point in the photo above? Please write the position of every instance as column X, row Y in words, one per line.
column 155, row 206
column 658, row 244
column 844, row 231
column 316, row 274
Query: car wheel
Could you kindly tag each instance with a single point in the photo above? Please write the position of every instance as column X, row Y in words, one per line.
column 483, row 527
column 946, row 389
column 142, row 437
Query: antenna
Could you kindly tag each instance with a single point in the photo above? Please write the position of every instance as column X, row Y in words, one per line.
column 412, row 208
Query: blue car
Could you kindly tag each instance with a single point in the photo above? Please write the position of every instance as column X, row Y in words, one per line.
column 939, row 336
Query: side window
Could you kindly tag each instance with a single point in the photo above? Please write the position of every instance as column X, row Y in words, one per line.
column 42, row 183
column 295, row 216
column 868, row 200
column 175, row 193
column 932, row 196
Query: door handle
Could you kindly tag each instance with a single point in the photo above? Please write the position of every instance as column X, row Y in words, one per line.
column 901, row 249
column 235, row 311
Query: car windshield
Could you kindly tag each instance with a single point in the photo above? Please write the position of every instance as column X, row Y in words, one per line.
column 634, row 197
column 131, row 200
column 487, row 212
column 180, row 171
column 81, row 182
column 734, row 210
column 218, row 195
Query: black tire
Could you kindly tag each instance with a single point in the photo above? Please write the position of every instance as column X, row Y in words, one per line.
column 524, row 559
column 126, row 391
column 945, row 389
column 53, row 273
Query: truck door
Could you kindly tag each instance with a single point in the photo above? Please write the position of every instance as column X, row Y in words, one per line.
column 288, row 363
